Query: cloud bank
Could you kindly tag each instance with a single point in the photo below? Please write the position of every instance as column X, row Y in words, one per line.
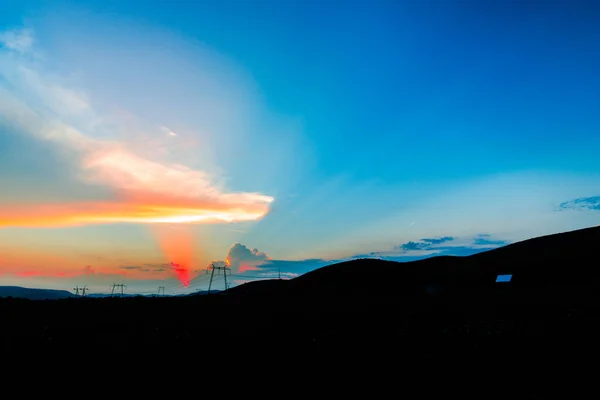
column 242, row 259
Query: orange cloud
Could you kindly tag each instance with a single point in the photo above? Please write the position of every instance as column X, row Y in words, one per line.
column 149, row 192
column 134, row 210
column 244, row 267
column 240, row 258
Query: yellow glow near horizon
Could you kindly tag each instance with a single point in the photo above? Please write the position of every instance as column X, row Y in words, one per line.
column 127, row 211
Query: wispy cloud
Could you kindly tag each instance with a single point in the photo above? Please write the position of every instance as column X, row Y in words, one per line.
column 19, row 40
column 168, row 132
column 435, row 241
column 145, row 190
column 429, row 247
column 582, row 203
column 147, row 267
column 484, row 239
column 423, row 244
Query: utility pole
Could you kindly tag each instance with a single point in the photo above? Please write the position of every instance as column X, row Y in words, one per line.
column 212, row 274
column 84, row 290
column 161, row 288
column 76, row 289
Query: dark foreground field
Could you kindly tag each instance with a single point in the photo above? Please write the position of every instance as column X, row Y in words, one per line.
column 416, row 327
column 447, row 313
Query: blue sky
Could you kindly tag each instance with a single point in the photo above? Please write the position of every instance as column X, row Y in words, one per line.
column 340, row 129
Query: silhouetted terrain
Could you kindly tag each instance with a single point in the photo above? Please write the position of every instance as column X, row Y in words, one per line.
column 432, row 310
column 550, row 261
column 33, row 294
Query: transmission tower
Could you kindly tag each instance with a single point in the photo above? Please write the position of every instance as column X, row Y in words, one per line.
column 212, row 274
column 83, row 291
column 115, row 285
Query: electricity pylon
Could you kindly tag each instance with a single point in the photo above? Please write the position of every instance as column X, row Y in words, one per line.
column 115, row 285
column 212, row 274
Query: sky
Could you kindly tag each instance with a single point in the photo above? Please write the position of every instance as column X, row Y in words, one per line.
column 143, row 141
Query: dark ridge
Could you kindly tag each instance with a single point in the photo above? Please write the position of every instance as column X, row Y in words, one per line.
column 274, row 287
column 557, row 259
column 33, row 294
column 576, row 244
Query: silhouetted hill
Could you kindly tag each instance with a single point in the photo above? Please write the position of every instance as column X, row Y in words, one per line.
column 558, row 259
column 203, row 293
column 444, row 311
column 273, row 287
column 103, row 295
column 33, row 294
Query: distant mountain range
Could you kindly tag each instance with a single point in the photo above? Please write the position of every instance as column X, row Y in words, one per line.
column 52, row 294
column 102, row 295
column 34, row 294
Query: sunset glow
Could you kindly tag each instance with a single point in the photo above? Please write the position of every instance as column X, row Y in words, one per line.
column 74, row 214
column 179, row 247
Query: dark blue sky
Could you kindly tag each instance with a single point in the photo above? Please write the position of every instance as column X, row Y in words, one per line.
column 385, row 87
